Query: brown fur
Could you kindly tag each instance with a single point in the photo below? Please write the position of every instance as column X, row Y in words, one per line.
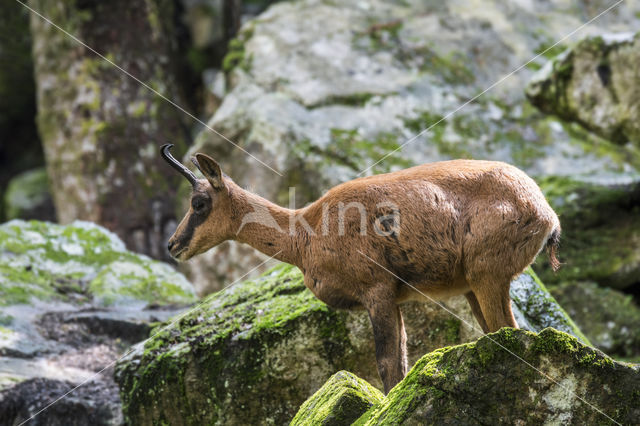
column 465, row 227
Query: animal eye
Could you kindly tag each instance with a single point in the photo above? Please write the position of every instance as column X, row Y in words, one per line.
column 197, row 204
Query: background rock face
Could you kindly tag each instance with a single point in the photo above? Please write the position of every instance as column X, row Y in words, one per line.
column 610, row 318
column 258, row 349
column 322, row 90
column 595, row 83
column 101, row 129
column 72, row 300
column 481, row 383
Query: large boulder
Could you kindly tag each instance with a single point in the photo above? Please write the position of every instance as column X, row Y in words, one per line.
column 321, row 91
column 72, row 300
column 259, row 348
column 508, row 377
column 595, row 83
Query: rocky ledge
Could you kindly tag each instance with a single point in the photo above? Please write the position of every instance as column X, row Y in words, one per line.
column 508, row 377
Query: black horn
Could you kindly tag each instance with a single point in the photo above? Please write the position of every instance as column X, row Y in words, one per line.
column 164, row 151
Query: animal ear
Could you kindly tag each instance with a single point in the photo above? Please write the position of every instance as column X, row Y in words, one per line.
column 210, row 169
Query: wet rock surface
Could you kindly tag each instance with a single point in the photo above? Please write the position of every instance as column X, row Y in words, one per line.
column 95, row 403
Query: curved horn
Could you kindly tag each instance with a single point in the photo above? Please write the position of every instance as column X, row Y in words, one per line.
column 164, row 151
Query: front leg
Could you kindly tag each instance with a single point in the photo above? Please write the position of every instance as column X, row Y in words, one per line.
column 391, row 342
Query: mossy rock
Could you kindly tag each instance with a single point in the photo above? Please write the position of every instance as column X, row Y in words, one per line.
column 609, row 318
column 81, row 263
column 258, row 349
column 513, row 377
column 340, row 401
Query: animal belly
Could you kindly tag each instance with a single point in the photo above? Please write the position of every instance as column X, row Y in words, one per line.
column 431, row 291
column 333, row 296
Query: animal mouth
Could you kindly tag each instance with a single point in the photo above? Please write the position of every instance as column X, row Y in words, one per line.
column 177, row 255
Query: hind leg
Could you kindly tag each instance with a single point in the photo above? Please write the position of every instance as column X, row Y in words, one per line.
column 495, row 304
column 476, row 310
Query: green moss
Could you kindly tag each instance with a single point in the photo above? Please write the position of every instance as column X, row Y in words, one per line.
column 609, row 317
column 600, row 226
column 231, row 339
column 349, row 148
column 340, row 401
column 452, row 330
column 424, row 120
column 397, row 405
column 353, row 99
column 79, row 261
column 482, row 381
column 236, row 55
column 549, row 49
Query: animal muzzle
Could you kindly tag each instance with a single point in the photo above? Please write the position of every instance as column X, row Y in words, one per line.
column 176, row 248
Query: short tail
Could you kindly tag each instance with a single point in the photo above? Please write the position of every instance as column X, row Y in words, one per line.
column 552, row 249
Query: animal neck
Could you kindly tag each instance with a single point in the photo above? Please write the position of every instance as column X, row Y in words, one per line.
column 266, row 226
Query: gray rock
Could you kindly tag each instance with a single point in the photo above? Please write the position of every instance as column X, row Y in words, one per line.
column 95, row 403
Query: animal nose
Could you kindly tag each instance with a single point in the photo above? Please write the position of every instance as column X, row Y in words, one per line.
column 170, row 245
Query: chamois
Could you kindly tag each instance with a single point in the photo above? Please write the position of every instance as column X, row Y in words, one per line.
column 446, row 228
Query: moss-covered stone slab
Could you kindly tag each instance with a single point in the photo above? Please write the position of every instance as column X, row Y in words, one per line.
column 81, row 263
column 260, row 348
column 340, row 401
column 609, row 317
column 485, row 382
column 595, row 84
